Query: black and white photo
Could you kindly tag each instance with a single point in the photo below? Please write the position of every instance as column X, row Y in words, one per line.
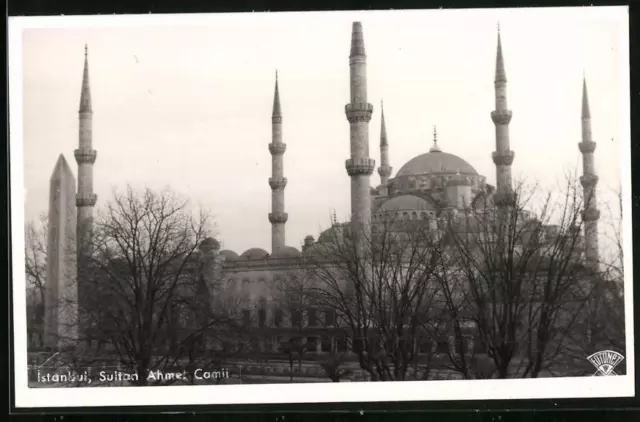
column 214, row 204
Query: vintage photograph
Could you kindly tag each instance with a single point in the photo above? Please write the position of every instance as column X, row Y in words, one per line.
column 314, row 199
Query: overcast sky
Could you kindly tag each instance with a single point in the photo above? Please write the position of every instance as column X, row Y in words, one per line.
column 188, row 103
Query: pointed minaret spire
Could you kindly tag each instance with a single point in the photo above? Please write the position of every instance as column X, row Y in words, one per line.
column 277, row 111
column 383, row 126
column 501, row 75
column 435, row 147
column 586, row 113
column 359, row 166
column 277, row 217
column 589, row 181
column 501, row 116
column 85, row 94
column 385, row 169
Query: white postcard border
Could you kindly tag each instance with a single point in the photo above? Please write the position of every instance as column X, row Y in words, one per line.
column 553, row 388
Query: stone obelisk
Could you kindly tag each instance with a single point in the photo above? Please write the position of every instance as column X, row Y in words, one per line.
column 61, row 322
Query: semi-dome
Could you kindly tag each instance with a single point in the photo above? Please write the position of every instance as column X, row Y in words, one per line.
column 435, row 162
column 320, row 249
column 254, row 253
column 406, row 203
column 315, row 249
column 330, row 234
column 230, row 255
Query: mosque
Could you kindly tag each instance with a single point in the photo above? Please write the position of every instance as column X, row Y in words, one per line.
column 433, row 186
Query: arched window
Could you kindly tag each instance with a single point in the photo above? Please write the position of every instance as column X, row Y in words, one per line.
column 262, row 317
column 246, row 317
column 442, row 345
column 325, row 344
column 278, row 316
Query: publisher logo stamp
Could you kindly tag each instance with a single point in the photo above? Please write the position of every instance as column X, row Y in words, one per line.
column 605, row 362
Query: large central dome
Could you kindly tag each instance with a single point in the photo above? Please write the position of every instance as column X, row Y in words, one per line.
column 435, row 162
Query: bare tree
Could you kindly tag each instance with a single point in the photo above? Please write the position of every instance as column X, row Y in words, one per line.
column 610, row 327
column 309, row 317
column 146, row 302
column 294, row 297
column 516, row 278
column 381, row 282
column 36, row 273
column 605, row 320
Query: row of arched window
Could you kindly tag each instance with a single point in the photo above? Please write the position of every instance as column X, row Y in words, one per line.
column 291, row 318
column 427, row 183
column 406, row 215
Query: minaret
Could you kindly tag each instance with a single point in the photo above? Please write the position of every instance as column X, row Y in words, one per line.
column 85, row 198
column 359, row 166
column 385, row 169
column 501, row 116
column 589, row 180
column 277, row 181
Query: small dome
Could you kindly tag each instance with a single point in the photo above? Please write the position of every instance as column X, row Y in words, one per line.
column 406, row 203
column 254, row 253
column 289, row 251
column 209, row 244
column 435, row 162
column 230, row 255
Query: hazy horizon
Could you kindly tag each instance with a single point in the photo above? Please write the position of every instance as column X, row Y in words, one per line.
column 189, row 106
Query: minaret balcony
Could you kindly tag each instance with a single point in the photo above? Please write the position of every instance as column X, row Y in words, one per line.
column 360, row 166
column 591, row 214
column 277, row 183
column 385, row 171
column 503, row 158
column 501, row 117
column 588, row 181
column 276, row 119
column 85, row 156
column 278, row 217
column 358, row 112
column 277, row 148
column 587, row 147
column 86, row 200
